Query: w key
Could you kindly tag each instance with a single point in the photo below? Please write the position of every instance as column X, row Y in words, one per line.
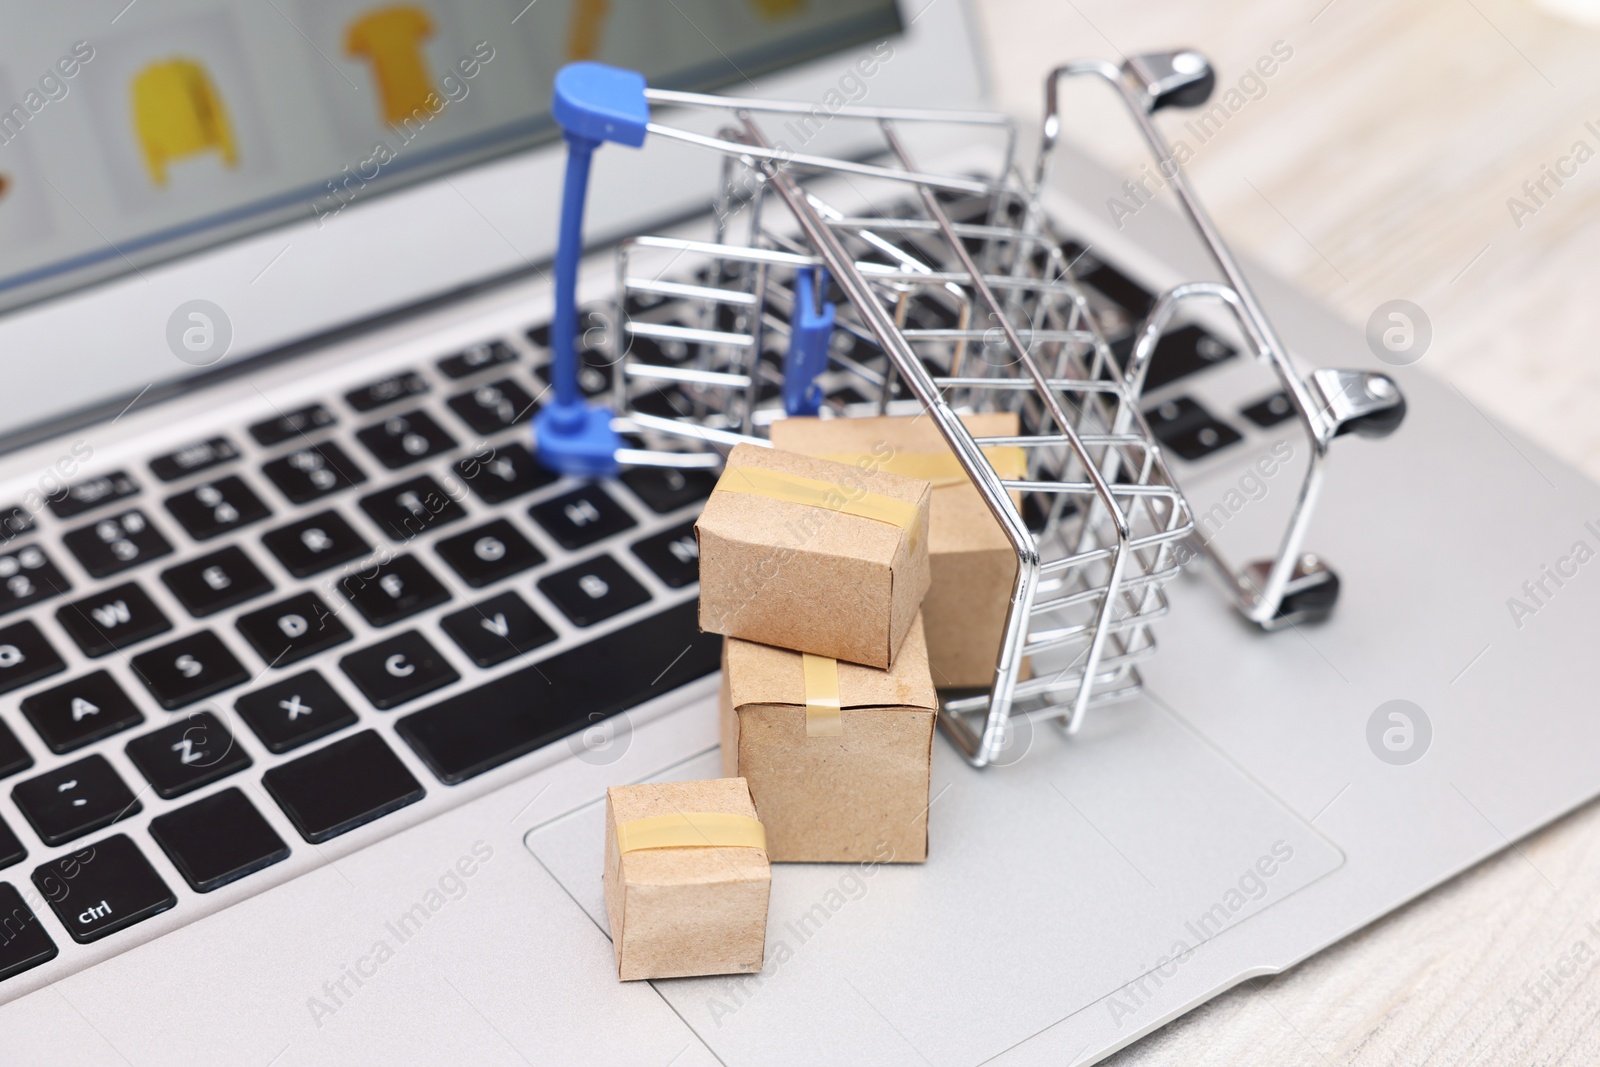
column 112, row 619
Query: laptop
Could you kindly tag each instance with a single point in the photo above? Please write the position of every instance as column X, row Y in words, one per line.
column 276, row 310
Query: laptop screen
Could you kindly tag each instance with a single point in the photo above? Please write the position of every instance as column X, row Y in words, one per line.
column 178, row 124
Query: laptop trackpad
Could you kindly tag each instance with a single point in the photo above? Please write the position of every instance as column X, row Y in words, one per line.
column 1051, row 883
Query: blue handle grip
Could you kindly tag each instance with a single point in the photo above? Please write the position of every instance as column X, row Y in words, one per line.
column 810, row 328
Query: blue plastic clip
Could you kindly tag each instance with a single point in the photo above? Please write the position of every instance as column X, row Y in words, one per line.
column 593, row 103
column 810, row 328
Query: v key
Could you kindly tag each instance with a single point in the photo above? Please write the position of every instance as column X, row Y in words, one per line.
column 497, row 629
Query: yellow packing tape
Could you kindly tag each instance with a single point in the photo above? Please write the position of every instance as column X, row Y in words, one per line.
column 699, row 829
column 940, row 468
column 813, row 492
column 822, row 696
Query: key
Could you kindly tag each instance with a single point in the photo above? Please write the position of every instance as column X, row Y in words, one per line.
column 477, row 358
column 1189, row 429
column 499, row 473
column 480, row 729
column 494, row 406
column 590, row 320
column 1182, row 352
column 75, row 799
column 1269, row 411
column 387, row 391
column 1118, row 287
column 397, row 670
column 594, row 371
column 314, row 545
column 27, row 576
column 78, row 712
column 489, row 553
column 312, row 472
column 298, row 423
column 581, row 517
column 295, row 711
column 112, row 619
column 342, row 786
column 25, row 656
column 218, row 839
column 220, row 580
column 116, row 543
column 194, row 458
column 401, row 440
column 99, row 890
column 292, row 629
column 191, row 668
column 412, row 508
column 674, row 556
column 497, row 629
column 92, row 493
column 14, row 522
column 11, row 851
column 185, row 755
column 392, row 591
column 26, row 944
column 665, row 489
column 216, row 507
column 13, row 757
column 593, row 591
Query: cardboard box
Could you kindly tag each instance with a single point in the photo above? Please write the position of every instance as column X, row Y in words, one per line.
column 815, row 556
column 832, row 787
column 971, row 562
column 685, row 909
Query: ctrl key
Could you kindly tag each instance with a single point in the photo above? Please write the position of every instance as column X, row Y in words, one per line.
column 23, row 942
column 104, row 888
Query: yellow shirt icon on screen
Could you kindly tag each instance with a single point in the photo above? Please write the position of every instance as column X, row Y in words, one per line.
column 178, row 112
column 390, row 38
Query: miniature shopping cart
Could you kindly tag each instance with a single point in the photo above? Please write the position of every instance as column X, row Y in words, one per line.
column 950, row 294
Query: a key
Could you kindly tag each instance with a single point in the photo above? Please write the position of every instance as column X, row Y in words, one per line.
column 92, row 493
column 482, row 728
column 13, row 757
column 316, row 544
column 342, row 786
column 218, row 839
column 674, row 555
column 581, row 517
column 81, row 711
column 191, row 668
column 292, row 629
column 397, row 670
column 102, row 889
column 117, row 542
column 386, row 391
column 185, row 755
column 411, row 508
column 72, row 800
column 665, row 489
column 401, row 440
column 497, row 629
column 194, row 458
column 213, row 582
column 489, row 553
column 493, row 406
column 312, row 472
column 214, row 508
column 11, row 851
column 499, row 473
column 27, row 576
column 593, row 591
column 395, row 590
column 112, row 619
column 25, row 656
column 27, row 944
column 295, row 711
column 477, row 358
column 296, row 423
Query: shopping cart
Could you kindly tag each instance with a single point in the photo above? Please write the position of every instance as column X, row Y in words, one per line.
column 949, row 295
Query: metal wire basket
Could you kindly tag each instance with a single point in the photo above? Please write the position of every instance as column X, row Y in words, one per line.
column 950, row 295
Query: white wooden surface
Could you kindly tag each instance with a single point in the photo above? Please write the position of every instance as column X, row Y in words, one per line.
column 1377, row 163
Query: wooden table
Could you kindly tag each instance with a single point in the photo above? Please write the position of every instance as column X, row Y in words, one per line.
column 1386, row 158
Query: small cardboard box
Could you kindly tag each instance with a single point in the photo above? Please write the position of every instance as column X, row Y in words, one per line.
column 815, row 556
column 680, row 909
column 971, row 562
column 832, row 787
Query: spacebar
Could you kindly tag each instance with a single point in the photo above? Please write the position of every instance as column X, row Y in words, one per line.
column 484, row 727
